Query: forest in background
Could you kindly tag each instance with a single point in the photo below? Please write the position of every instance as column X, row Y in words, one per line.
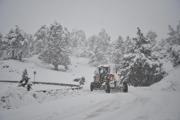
column 138, row 59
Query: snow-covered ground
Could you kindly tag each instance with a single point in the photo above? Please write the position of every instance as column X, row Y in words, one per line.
column 158, row 102
column 45, row 72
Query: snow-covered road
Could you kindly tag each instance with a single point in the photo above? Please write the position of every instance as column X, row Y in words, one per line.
column 135, row 105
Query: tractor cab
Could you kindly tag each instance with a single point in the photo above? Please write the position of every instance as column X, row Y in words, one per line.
column 101, row 73
column 104, row 69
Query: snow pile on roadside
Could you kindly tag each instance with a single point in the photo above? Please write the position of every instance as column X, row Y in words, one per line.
column 12, row 97
column 170, row 82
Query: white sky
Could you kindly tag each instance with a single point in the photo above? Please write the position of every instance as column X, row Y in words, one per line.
column 118, row 17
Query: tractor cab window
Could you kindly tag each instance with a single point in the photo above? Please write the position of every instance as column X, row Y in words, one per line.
column 101, row 70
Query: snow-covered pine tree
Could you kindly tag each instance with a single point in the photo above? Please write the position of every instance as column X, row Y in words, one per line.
column 78, row 42
column 140, row 67
column 174, row 43
column 1, row 42
column 99, row 46
column 24, row 80
column 1, row 45
column 151, row 36
column 129, row 44
column 117, row 52
column 92, row 43
column 57, row 50
column 28, row 47
column 104, row 40
column 15, row 39
column 41, row 37
column 161, row 50
column 98, row 58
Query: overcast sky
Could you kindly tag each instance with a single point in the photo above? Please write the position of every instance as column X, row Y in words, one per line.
column 117, row 17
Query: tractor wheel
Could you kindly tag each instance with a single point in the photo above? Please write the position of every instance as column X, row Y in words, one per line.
column 91, row 87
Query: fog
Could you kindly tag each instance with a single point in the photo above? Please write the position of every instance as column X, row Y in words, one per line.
column 118, row 17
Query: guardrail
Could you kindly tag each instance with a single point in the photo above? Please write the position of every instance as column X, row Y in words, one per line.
column 44, row 83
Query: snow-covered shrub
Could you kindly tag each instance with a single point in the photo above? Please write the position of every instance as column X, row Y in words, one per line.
column 13, row 97
column 140, row 68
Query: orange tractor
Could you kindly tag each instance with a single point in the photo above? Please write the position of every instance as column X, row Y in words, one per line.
column 105, row 80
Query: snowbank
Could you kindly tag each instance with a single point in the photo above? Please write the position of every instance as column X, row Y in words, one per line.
column 13, row 97
column 170, row 82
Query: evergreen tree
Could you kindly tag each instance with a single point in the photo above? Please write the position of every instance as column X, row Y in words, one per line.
column 93, row 43
column 174, row 43
column 2, row 42
column 78, row 42
column 117, row 52
column 15, row 39
column 129, row 45
column 28, row 47
column 57, row 50
column 98, row 58
column 104, row 40
column 41, row 39
column 2, row 45
column 99, row 45
column 140, row 67
column 151, row 36
column 24, row 81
